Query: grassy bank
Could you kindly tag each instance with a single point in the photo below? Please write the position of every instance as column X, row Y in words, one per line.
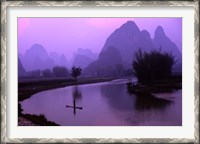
column 27, row 88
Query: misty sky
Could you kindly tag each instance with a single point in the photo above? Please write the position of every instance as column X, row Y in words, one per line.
column 65, row 35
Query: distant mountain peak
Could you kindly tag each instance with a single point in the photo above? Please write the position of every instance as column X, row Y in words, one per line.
column 125, row 32
column 120, row 46
column 159, row 31
column 145, row 33
column 86, row 52
column 37, row 49
column 83, row 51
column 37, row 46
column 130, row 25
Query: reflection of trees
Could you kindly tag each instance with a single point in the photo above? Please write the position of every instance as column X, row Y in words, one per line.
column 76, row 95
column 150, row 110
column 150, row 102
column 117, row 97
column 135, row 110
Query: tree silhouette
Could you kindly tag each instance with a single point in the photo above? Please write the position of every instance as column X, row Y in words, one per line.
column 75, row 72
column 46, row 73
column 60, row 71
column 152, row 66
column 34, row 73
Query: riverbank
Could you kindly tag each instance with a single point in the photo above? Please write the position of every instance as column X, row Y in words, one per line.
column 25, row 122
column 32, row 119
column 159, row 86
column 27, row 88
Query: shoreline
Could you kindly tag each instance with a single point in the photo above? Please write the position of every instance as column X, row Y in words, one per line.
column 30, row 88
column 157, row 86
column 27, row 89
column 25, row 122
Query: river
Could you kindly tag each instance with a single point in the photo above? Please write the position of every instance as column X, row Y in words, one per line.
column 105, row 104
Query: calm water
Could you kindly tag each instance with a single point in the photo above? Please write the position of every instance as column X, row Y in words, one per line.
column 105, row 104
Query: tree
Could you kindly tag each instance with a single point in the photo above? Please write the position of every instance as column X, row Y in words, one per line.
column 34, row 73
column 46, row 73
column 152, row 66
column 75, row 72
column 60, row 71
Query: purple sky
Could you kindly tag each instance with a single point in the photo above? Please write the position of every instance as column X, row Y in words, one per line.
column 65, row 35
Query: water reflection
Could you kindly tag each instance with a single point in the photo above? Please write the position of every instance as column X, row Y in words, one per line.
column 150, row 102
column 139, row 110
column 116, row 96
column 105, row 104
column 76, row 96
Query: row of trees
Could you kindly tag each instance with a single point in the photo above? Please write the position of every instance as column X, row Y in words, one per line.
column 147, row 67
column 57, row 71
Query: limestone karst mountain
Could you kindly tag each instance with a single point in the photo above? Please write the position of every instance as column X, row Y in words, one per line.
column 127, row 40
column 36, row 57
column 21, row 70
column 116, row 55
column 108, row 64
column 161, row 41
column 83, row 57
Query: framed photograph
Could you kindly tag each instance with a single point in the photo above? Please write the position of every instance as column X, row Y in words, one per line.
column 100, row 71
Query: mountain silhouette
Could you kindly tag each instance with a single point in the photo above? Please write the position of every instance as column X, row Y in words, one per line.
column 81, row 61
column 21, row 70
column 59, row 60
column 108, row 63
column 127, row 40
column 116, row 55
column 86, row 52
column 36, row 58
column 163, row 43
column 83, row 57
column 63, row 61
